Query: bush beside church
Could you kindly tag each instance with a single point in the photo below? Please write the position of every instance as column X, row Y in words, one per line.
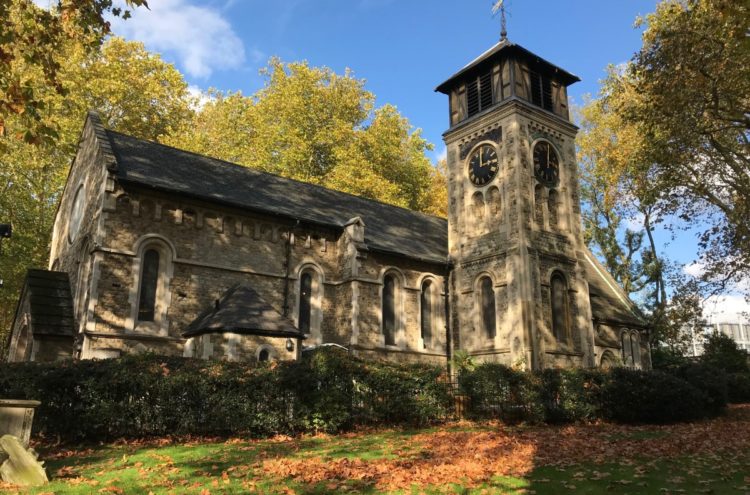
column 331, row 391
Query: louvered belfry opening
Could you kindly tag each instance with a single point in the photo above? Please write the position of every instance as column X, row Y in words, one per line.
column 479, row 93
column 541, row 91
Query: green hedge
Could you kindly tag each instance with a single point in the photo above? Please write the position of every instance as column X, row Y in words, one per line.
column 738, row 387
column 622, row 394
column 140, row 396
column 331, row 391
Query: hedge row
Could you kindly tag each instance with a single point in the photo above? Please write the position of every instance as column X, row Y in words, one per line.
column 140, row 396
column 331, row 391
column 624, row 395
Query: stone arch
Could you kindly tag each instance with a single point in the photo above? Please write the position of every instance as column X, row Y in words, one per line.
column 494, row 201
column 392, row 307
column 153, row 251
column 430, row 310
column 478, row 209
column 485, row 300
column 539, row 200
column 635, row 348
column 608, row 360
column 76, row 212
column 560, row 307
column 626, row 348
column 23, row 345
column 553, row 208
column 265, row 353
column 309, row 290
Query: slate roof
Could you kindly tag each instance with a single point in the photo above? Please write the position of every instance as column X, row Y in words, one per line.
column 387, row 228
column 51, row 303
column 242, row 310
column 509, row 48
column 608, row 303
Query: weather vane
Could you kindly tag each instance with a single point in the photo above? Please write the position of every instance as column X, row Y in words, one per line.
column 499, row 6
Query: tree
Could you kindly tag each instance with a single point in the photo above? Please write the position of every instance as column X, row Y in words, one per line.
column 609, row 149
column 31, row 58
column 721, row 351
column 687, row 91
column 135, row 92
column 313, row 125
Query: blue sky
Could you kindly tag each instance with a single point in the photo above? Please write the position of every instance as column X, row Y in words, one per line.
column 402, row 48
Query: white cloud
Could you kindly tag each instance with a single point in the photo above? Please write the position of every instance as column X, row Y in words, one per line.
column 199, row 97
column 694, row 269
column 726, row 309
column 441, row 154
column 199, row 37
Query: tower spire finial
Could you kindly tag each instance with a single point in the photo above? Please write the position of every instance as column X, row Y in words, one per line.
column 499, row 6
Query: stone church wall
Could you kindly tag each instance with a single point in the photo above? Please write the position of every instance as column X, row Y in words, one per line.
column 230, row 346
column 211, row 248
column 410, row 275
column 72, row 252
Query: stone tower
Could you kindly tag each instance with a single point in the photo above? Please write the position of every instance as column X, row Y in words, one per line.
column 519, row 292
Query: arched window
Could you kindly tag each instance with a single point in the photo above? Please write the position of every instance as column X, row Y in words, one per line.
column 264, row 355
column 560, row 307
column 552, row 208
column 389, row 309
column 539, row 204
column 426, row 312
column 487, row 297
column 635, row 349
column 305, row 300
column 494, row 201
column 478, row 209
column 150, row 296
column 608, row 361
column 76, row 213
column 149, row 283
column 627, row 350
column 23, row 345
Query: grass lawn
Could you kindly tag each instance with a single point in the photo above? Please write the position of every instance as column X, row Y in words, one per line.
column 705, row 457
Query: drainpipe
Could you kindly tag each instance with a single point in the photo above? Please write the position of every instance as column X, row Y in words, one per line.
column 287, row 264
column 447, row 311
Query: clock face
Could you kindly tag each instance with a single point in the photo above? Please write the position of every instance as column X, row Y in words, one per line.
column 546, row 165
column 483, row 165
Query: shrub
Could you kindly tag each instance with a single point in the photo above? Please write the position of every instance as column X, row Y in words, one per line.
column 738, row 386
column 140, row 396
column 721, row 351
column 709, row 380
column 496, row 391
column 664, row 358
column 634, row 396
column 329, row 390
column 572, row 395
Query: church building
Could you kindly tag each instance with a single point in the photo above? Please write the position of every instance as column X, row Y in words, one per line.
column 161, row 250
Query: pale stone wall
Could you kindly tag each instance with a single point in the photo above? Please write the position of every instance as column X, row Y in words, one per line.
column 72, row 252
column 410, row 276
column 209, row 248
column 518, row 244
column 246, row 348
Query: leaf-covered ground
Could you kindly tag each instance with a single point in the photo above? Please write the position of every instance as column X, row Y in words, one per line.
column 710, row 457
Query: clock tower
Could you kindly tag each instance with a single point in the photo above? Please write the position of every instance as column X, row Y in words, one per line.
column 519, row 292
